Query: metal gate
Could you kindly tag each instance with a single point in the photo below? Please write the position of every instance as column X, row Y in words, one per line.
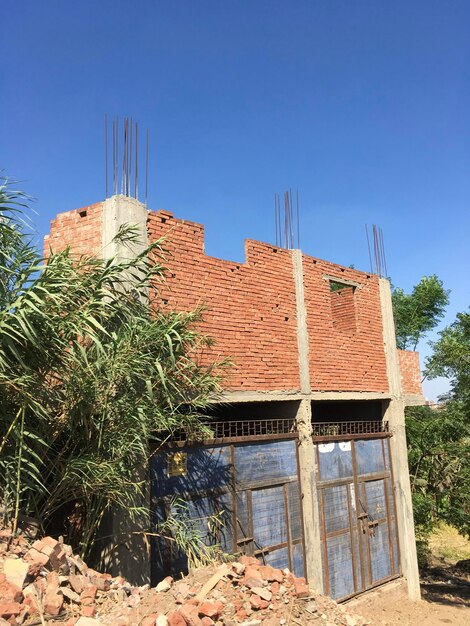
column 248, row 475
column 358, row 517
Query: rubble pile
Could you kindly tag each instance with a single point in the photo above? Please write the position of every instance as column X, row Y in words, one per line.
column 45, row 583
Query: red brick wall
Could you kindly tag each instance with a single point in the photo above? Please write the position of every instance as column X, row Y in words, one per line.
column 341, row 359
column 251, row 307
column 251, row 311
column 343, row 310
column 80, row 229
column 410, row 373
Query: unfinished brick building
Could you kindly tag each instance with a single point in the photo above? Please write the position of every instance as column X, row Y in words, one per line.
column 309, row 456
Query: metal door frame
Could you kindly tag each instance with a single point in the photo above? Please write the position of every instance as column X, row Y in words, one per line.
column 236, row 433
column 357, row 530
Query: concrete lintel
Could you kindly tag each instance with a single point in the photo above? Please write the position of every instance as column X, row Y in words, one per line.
column 349, row 395
column 295, row 394
column 342, row 281
column 229, row 397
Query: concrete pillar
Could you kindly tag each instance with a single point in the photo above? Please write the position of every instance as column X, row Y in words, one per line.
column 127, row 554
column 310, row 504
column 395, row 414
column 120, row 211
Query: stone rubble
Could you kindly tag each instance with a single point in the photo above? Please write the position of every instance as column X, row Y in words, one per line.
column 45, row 583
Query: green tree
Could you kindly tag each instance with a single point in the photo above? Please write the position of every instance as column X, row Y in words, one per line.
column 439, row 440
column 439, row 460
column 89, row 375
column 419, row 312
column 451, row 358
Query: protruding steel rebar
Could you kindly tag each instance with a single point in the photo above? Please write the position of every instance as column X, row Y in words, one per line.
column 125, row 171
column 106, row 151
column 136, row 177
column 146, row 165
column 380, row 261
column 285, row 226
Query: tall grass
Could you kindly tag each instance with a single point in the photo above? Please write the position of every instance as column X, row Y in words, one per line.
column 88, row 376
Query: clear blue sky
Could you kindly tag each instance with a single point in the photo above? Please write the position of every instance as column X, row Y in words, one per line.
column 362, row 105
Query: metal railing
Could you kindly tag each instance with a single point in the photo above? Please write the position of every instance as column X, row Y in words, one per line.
column 335, row 429
column 242, row 429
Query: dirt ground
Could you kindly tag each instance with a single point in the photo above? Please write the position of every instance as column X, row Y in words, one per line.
column 445, row 589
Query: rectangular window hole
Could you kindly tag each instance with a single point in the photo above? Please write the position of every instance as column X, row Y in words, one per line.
column 343, row 306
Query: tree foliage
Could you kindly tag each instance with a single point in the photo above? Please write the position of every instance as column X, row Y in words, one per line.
column 419, row 312
column 439, row 460
column 451, row 358
column 439, row 440
column 88, row 376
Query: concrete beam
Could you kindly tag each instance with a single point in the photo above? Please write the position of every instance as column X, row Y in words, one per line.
column 349, row 395
column 395, row 414
column 342, row 281
column 233, row 397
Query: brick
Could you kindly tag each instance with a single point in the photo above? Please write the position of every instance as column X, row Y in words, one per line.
column 211, row 609
column 149, row 620
column 53, row 603
column 9, row 609
column 189, row 613
column 175, row 619
column 88, row 610
column 36, row 558
column 271, row 574
column 251, row 307
column 10, row 592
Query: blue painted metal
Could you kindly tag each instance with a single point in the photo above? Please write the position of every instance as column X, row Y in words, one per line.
column 359, row 526
column 259, row 494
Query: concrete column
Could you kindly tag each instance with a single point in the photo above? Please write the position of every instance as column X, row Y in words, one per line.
column 310, row 504
column 120, row 211
column 127, row 554
column 395, row 414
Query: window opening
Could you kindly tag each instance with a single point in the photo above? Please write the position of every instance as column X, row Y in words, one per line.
column 343, row 310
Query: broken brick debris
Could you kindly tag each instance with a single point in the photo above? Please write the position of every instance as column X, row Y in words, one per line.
column 44, row 582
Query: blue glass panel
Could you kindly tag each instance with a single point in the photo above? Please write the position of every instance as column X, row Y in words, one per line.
column 339, row 553
column 379, row 552
column 265, row 462
column 335, row 508
column 206, row 469
column 269, row 517
column 298, row 560
column 369, row 456
column 335, row 460
column 375, row 499
column 277, row 558
column 295, row 518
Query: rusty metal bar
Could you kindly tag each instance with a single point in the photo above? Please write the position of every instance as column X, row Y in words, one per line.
column 333, row 430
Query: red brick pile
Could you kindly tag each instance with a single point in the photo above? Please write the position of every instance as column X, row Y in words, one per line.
column 44, row 583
